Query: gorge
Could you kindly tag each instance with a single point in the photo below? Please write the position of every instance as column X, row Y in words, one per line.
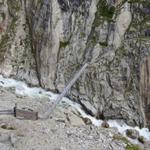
column 44, row 42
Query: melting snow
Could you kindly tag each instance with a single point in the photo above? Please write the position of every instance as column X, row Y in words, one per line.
column 22, row 89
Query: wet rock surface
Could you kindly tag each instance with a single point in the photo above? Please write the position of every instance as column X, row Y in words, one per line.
column 105, row 124
column 134, row 134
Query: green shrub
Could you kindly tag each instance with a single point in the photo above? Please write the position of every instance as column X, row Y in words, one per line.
column 132, row 147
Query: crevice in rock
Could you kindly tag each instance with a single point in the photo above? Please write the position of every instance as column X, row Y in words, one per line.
column 86, row 110
column 56, row 72
column 29, row 22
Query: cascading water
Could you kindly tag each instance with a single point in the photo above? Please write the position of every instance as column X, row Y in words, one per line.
column 22, row 89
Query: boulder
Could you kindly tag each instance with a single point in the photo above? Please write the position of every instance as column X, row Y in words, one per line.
column 141, row 139
column 105, row 125
column 132, row 133
column 75, row 120
column 87, row 121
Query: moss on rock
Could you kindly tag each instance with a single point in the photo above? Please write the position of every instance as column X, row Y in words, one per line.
column 129, row 145
column 104, row 12
column 104, row 44
column 132, row 147
column 63, row 44
column 14, row 6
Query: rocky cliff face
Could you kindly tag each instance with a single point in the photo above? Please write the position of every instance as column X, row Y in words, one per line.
column 44, row 42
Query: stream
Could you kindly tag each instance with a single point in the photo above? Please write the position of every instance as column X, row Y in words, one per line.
column 23, row 89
